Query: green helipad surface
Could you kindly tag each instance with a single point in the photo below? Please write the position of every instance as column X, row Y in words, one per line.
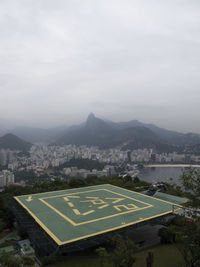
column 70, row 215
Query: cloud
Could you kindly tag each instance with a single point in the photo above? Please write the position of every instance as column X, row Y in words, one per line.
column 138, row 59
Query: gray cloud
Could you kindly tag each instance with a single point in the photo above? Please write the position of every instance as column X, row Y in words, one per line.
column 60, row 60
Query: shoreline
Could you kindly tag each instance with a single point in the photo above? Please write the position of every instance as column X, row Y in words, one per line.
column 172, row 165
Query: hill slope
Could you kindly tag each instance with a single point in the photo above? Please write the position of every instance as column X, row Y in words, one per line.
column 127, row 135
column 11, row 141
column 97, row 132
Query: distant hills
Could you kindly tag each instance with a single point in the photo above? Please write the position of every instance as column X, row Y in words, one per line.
column 127, row 135
column 12, row 142
column 107, row 134
column 39, row 135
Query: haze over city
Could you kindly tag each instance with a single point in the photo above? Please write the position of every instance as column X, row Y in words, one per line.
column 122, row 60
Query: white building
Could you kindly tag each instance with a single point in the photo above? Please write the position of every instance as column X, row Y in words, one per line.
column 6, row 178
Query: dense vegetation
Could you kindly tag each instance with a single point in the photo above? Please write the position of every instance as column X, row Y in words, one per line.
column 12, row 142
column 87, row 164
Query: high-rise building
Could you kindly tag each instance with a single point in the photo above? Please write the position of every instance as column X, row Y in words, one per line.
column 3, row 157
column 6, row 178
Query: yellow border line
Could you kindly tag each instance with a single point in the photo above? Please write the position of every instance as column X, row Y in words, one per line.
column 150, row 197
column 100, row 232
column 101, row 185
column 97, row 233
column 69, row 195
column 67, row 189
column 105, row 189
column 40, row 223
column 147, row 204
column 94, row 220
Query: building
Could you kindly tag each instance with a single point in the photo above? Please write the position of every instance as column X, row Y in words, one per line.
column 75, row 219
column 25, row 248
column 6, row 178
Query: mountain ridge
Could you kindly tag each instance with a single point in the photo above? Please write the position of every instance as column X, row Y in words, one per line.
column 129, row 135
column 13, row 142
column 107, row 134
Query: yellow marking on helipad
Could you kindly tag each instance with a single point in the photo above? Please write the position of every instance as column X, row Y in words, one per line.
column 92, row 197
column 29, row 199
column 117, row 207
column 104, row 206
column 49, row 231
column 88, row 212
column 116, row 200
column 95, row 200
column 77, row 212
column 70, row 204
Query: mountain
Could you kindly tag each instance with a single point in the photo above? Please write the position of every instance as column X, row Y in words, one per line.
column 97, row 132
column 39, row 135
column 11, row 141
column 167, row 136
column 93, row 132
column 106, row 134
column 127, row 135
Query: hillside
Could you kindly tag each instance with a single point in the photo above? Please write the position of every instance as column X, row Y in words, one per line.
column 11, row 141
column 127, row 135
column 97, row 132
column 107, row 134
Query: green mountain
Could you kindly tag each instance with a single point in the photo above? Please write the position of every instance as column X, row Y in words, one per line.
column 11, row 141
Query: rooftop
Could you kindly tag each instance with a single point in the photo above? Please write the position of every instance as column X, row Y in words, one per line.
column 75, row 214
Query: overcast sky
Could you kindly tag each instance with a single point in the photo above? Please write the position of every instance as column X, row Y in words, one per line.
column 122, row 60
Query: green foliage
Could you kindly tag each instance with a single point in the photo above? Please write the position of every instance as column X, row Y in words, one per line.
column 74, row 183
column 166, row 236
column 187, row 231
column 122, row 254
column 136, row 180
column 8, row 260
column 87, row 164
column 188, row 242
column 27, row 176
column 28, row 261
column 11, row 141
column 2, row 225
column 191, row 182
column 150, row 259
column 5, row 213
column 103, row 254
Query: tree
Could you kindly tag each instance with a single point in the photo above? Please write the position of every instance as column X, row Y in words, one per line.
column 103, row 254
column 149, row 259
column 123, row 251
column 188, row 233
column 166, row 235
column 28, row 261
column 8, row 260
column 121, row 254
column 191, row 182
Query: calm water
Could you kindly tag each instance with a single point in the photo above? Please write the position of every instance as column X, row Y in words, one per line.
column 161, row 174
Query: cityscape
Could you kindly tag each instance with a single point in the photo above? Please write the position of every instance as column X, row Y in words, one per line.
column 110, row 162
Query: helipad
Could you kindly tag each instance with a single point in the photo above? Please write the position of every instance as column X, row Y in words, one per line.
column 74, row 214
